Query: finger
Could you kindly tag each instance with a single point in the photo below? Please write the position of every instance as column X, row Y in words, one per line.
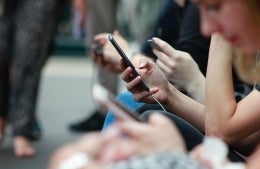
column 165, row 47
column 122, row 64
column 100, row 36
column 143, row 96
column 132, row 129
column 166, row 70
column 169, row 62
column 133, row 83
column 145, row 64
column 126, row 75
column 116, row 33
column 158, row 119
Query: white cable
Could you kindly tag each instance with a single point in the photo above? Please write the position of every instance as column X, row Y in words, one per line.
column 159, row 103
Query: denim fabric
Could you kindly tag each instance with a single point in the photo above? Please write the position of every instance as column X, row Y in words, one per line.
column 126, row 99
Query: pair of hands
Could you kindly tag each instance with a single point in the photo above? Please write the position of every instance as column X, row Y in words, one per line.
column 178, row 67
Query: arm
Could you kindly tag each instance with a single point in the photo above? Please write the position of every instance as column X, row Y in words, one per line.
column 225, row 118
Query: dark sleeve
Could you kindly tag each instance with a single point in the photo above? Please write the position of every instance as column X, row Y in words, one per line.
column 191, row 40
column 166, row 26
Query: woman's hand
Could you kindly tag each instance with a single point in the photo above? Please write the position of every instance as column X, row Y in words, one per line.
column 153, row 78
column 158, row 134
column 180, row 69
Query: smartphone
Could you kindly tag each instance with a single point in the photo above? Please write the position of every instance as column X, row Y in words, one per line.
column 153, row 45
column 108, row 100
column 126, row 60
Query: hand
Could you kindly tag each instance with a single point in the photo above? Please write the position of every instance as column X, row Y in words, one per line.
column 145, row 138
column 180, row 69
column 91, row 144
column 178, row 66
column 152, row 76
column 110, row 59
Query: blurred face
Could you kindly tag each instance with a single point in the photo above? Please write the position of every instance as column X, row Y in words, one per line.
column 233, row 19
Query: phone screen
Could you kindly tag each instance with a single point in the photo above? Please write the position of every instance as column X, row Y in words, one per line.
column 125, row 59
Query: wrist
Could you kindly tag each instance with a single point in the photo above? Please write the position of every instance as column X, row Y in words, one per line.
column 195, row 89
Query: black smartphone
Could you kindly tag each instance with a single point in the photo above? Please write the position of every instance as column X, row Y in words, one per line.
column 107, row 99
column 126, row 60
column 153, row 45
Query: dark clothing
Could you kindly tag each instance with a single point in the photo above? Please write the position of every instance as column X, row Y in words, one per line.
column 180, row 27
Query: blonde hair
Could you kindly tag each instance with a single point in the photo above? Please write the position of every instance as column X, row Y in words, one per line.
column 247, row 67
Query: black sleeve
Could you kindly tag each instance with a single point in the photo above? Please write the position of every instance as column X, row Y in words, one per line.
column 166, row 26
column 191, row 40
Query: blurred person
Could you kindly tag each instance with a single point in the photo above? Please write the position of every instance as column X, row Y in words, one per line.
column 27, row 29
column 100, row 16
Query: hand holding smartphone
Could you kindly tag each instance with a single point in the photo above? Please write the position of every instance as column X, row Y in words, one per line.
column 126, row 60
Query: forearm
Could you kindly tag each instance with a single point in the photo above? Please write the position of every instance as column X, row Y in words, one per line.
column 196, row 88
column 220, row 104
column 187, row 108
